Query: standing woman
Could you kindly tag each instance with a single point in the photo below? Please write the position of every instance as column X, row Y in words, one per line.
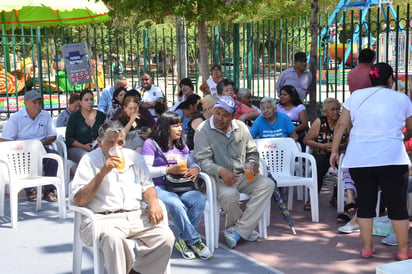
column 292, row 106
column 376, row 156
column 185, row 209
column 82, row 127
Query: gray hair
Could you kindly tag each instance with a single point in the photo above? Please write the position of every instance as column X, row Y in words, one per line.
column 268, row 100
column 110, row 126
column 241, row 92
column 118, row 80
column 328, row 101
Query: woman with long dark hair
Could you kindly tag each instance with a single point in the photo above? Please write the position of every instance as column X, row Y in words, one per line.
column 292, row 106
column 161, row 153
column 82, row 127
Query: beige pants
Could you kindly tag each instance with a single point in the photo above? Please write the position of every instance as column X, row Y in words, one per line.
column 154, row 244
column 259, row 190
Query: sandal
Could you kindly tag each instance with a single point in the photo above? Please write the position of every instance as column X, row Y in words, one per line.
column 51, row 197
column 369, row 253
column 307, row 207
column 405, row 256
column 342, row 218
column 31, row 195
column 351, row 208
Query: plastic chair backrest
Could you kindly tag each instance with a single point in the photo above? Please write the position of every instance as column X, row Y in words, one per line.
column 23, row 157
column 278, row 154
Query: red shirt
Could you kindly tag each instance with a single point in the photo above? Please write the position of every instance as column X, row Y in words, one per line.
column 359, row 77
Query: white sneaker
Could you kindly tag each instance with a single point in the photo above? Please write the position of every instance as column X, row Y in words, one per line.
column 349, row 228
column 390, row 240
column 253, row 237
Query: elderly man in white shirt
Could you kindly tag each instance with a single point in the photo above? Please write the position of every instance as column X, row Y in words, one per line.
column 118, row 197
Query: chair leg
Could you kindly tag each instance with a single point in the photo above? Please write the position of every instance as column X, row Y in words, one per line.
column 77, row 245
column 340, row 194
column 61, row 201
column 209, row 227
column 314, row 203
column 39, row 197
column 378, row 203
column 14, row 207
column 290, row 198
column 2, row 194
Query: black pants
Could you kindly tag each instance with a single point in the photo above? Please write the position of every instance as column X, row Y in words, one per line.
column 393, row 181
column 322, row 166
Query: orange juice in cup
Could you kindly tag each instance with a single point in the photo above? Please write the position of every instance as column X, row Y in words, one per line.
column 250, row 175
column 117, row 151
column 182, row 162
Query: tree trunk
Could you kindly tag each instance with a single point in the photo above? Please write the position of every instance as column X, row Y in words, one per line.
column 314, row 28
column 203, row 56
column 181, row 47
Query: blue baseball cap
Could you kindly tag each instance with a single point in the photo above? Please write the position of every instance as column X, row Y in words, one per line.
column 227, row 103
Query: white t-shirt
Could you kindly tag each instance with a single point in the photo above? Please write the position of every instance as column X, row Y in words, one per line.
column 212, row 86
column 151, row 95
column 378, row 116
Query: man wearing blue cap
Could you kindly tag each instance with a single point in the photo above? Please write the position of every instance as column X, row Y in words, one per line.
column 31, row 123
column 223, row 146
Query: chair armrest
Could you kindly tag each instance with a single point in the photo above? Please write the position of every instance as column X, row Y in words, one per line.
column 60, row 166
column 263, row 168
column 310, row 159
column 7, row 168
column 83, row 211
column 209, row 188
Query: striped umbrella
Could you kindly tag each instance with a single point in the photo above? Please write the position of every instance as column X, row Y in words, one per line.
column 282, row 205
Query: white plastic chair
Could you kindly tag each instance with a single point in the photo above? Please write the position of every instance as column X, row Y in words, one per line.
column 61, row 148
column 98, row 260
column 208, row 213
column 264, row 221
column 22, row 167
column 280, row 155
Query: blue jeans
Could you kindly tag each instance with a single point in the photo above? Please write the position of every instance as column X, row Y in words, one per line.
column 185, row 210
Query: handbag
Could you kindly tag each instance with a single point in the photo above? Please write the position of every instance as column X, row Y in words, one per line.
column 175, row 183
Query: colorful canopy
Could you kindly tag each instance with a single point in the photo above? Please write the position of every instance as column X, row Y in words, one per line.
column 46, row 13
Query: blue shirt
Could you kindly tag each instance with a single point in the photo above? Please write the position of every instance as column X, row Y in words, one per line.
column 105, row 99
column 63, row 118
column 21, row 127
column 185, row 122
column 282, row 127
column 290, row 77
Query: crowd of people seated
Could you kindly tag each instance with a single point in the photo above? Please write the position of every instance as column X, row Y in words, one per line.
column 215, row 134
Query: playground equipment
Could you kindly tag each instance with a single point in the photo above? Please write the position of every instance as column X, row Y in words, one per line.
column 343, row 51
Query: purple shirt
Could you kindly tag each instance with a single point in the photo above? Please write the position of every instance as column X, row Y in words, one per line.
column 155, row 161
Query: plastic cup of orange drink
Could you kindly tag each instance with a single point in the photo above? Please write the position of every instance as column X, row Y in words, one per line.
column 117, row 151
column 250, row 175
column 182, row 162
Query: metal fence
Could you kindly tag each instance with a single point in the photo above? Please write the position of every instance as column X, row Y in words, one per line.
column 253, row 54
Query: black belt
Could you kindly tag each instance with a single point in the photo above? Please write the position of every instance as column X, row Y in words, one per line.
column 107, row 212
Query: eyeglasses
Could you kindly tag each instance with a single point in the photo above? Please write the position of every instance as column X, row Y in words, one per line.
column 145, row 79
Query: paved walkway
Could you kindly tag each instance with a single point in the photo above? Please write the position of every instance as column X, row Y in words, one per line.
column 42, row 243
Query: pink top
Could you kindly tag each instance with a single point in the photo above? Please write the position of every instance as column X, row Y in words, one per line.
column 359, row 77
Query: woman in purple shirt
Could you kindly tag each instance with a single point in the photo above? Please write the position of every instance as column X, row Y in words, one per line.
column 185, row 209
